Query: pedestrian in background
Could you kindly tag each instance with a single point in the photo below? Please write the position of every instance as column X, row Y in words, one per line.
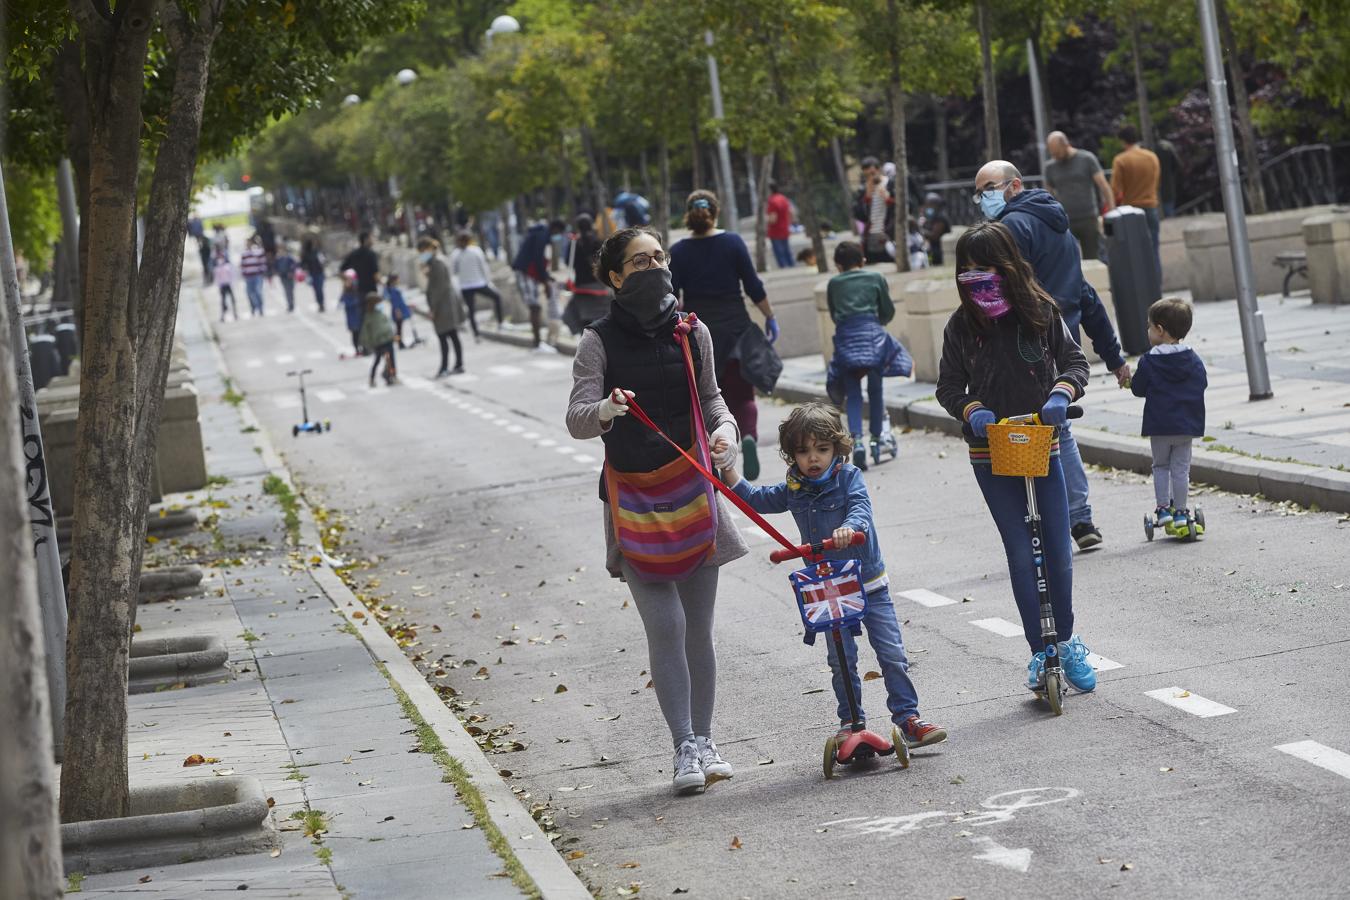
column 398, row 307
column 778, row 225
column 934, row 224
column 222, row 272
column 366, row 263
column 874, row 206
column 253, row 266
column 1170, row 171
column 1076, row 179
column 1135, row 174
column 285, row 266
column 1172, row 380
column 590, row 296
column 533, row 275
column 354, row 308
column 312, row 260
column 669, row 559
column 377, row 335
column 709, row 270
column 470, row 267
column 1007, row 352
column 1041, row 228
column 446, row 315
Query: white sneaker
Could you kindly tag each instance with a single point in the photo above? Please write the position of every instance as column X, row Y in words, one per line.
column 545, row 348
column 714, row 767
column 688, row 774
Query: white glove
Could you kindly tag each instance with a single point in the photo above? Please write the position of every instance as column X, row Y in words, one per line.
column 731, row 448
column 616, row 404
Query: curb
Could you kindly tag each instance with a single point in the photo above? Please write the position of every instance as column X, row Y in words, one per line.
column 1306, row 485
column 544, row 865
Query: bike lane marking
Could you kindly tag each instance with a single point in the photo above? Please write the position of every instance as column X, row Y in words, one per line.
column 1319, row 755
column 1100, row 663
column 1185, row 701
column 1000, row 627
column 925, row 597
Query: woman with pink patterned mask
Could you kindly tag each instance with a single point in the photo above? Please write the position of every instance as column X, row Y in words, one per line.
column 1007, row 352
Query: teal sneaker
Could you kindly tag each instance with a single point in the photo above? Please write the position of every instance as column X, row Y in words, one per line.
column 1163, row 515
column 1073, row 658
column 749, row 458
column 1036, row 672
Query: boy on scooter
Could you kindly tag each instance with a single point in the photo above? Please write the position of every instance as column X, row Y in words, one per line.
column 827, row 498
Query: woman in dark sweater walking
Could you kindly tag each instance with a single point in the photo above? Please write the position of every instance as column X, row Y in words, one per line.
column 709, row 269
column 1006, row 352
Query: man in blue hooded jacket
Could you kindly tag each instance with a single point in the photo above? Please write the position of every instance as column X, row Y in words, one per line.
column 1041, row 228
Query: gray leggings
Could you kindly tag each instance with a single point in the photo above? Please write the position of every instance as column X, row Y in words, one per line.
column 1171, row 469
column 678, row 618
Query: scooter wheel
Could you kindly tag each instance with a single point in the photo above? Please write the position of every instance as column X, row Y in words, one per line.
column 1200, row 519
column 831, row 748
column 295, row 431
column 1054, row 692
column 901, row 748
column 1148, row 527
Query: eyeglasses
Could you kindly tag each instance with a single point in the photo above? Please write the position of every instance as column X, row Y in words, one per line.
column 644, row 261
column 975, row 197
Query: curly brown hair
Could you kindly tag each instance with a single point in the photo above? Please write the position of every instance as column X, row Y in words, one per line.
column 812, row 421
column 700, row 213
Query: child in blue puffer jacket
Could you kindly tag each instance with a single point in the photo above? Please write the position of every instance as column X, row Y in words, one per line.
column 1172, row 380
column 828, row 499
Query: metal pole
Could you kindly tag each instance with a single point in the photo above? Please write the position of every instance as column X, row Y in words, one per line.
column 70, row 238
column 51, row 586
column 1037, row 102
column 1253, row 325
column 723, row 148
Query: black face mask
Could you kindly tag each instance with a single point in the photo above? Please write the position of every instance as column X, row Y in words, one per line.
column 648, row 296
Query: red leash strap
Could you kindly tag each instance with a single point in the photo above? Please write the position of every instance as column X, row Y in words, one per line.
column 731, row 495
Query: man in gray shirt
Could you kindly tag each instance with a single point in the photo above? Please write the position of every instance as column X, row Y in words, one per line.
column 1076, row 179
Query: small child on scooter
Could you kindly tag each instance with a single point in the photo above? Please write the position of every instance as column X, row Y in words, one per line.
column 1172, row 380
column 860, row 305
column 398, row 307
column 828, row 499
column 377, row 335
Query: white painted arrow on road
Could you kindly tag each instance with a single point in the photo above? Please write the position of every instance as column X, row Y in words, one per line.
column 991, row 851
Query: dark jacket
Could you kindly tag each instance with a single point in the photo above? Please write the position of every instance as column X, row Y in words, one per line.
column 366, row 263
column 1173, row 387
column 531, row 260
column 861, row 344
column 1041, row 228
column 1006, row 369
column 862, row 210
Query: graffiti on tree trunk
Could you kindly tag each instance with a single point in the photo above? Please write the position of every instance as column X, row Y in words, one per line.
column 35, row 466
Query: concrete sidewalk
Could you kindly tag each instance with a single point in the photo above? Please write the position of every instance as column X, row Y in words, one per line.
column 1293, row 447
column 378, row 790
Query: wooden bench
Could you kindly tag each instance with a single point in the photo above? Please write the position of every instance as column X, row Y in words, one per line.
column 1295, row 262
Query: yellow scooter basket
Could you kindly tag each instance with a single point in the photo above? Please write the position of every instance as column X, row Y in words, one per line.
column 1020, row 449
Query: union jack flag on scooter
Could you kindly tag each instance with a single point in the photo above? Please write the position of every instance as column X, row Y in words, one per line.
column 830, row 594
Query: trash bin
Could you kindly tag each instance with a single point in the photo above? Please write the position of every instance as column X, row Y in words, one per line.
column 44, row 358
column 1135, row 280
column 68, row 343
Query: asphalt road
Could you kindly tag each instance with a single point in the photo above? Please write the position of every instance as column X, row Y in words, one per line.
column 480, row 517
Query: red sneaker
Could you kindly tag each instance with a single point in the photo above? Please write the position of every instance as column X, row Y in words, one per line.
column 919, row 733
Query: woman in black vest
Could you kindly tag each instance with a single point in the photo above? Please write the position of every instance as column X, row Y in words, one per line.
column 629, row 354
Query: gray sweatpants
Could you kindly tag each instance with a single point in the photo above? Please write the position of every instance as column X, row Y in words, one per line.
column 678, row 619
column 1171, row 469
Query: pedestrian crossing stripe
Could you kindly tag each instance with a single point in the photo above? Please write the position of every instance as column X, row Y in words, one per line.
column 285, row 359
column 1319, row 755
column 1000, row 627
column 1100, row 663
column 506, row 371
column 330, row 395
column 925, row 597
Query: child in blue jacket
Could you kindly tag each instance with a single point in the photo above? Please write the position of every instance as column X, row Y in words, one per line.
column 1172, row 380
column 398, row 307
column 355, row 309
column 828, row 499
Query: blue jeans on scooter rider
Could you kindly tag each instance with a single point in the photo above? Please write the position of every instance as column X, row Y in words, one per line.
column 828, row 499
column 1007, row 352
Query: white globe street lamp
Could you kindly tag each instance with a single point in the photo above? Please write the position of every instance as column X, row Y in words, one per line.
column 350, row 100
column 405, row 77
column 501, row 25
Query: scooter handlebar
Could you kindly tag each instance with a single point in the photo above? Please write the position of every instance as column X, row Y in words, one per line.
column 816, row 549
column 1074, row 412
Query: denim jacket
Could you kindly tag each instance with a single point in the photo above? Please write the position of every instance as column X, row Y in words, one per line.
column 820, row 509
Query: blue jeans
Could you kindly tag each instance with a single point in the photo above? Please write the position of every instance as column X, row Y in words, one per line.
column 883, row 632
column 782, row 252
column 253, row 284
column 853, row 402
column 1075, row 477
column 1007, row 501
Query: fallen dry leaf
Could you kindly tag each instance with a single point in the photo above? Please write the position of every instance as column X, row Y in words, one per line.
column 274, row 854
column 630, row 865
column 145, row 879
column 871, row 676
column 197, row 759
column 576, row 854
column 735, row 843
column 560, row 689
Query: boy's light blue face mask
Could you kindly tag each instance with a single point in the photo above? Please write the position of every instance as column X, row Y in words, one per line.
column 823, row 476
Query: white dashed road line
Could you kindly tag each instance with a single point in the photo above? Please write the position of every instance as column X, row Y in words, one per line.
column 1194, row 704
column 547, row 442
column 1100, row 663
column 1319, row 755
column 925, row 597
column 506, row 371
column 1000, row 627
column 286, row 401
column 253, row 364
column 330, row 395
column 315, row 354
column 285, row 359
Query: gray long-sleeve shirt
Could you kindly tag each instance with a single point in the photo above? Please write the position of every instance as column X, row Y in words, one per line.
column 583, row 423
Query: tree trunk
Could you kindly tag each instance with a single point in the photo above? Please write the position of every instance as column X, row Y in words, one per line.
column 30, row 841
column 841, row 173
column 1251, row 162
column 895, row 95
column 68, row 80
column 663, row 204
column 993, row 143
column 807, row 204
column 695, row 151
column 1140, row 87
column 597, row 181
column 944, row 171
column 761, row 219
column 109, row 527
column 646, row 174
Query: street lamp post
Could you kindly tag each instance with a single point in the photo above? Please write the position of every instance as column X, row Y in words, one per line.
column 503, row 25
column 404, row 78
column 1249, row 315
column 723, row 148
